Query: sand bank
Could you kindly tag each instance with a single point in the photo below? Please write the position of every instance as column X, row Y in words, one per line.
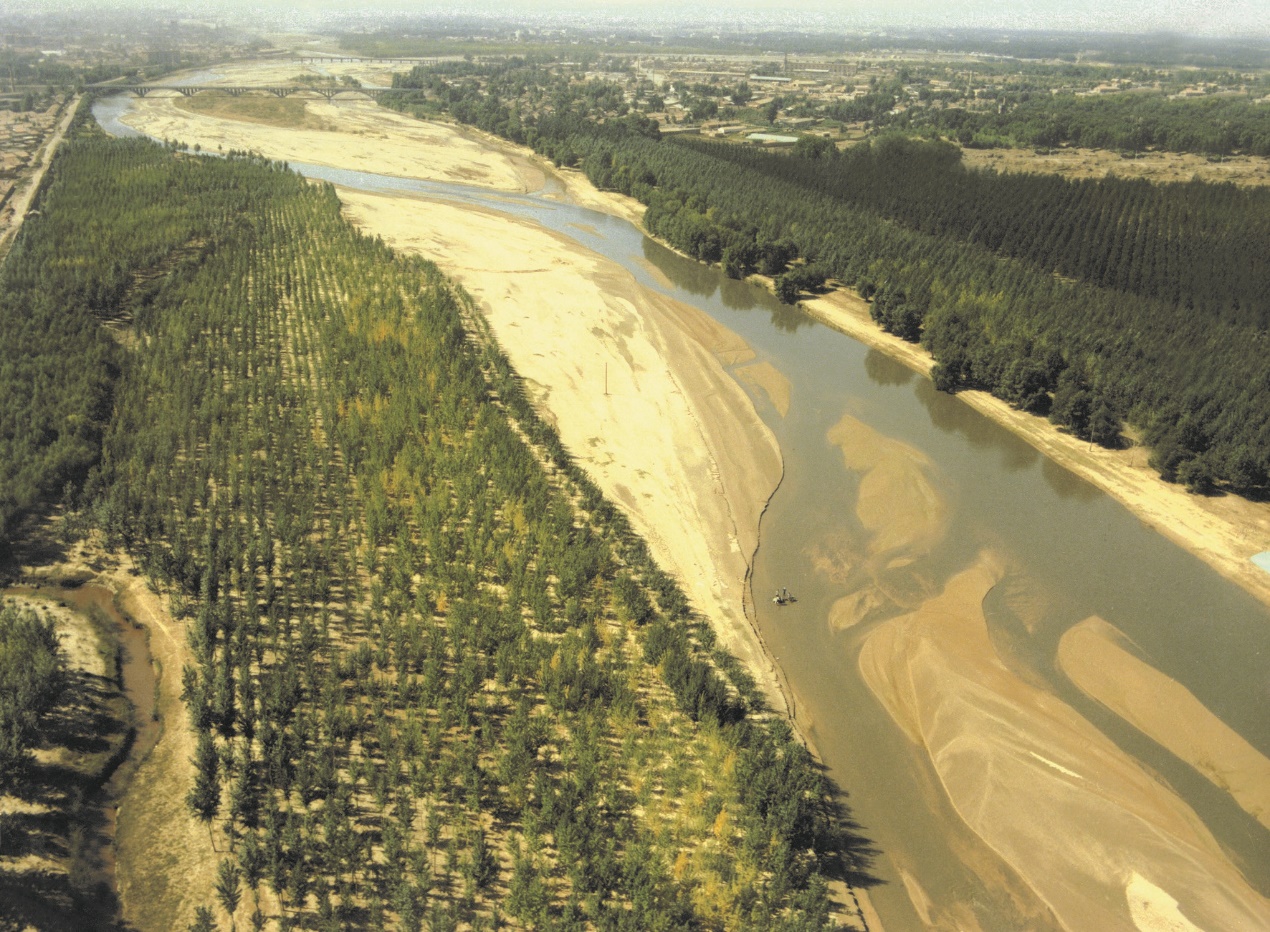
column 766, row 378
column 1093, row 656
column 166, row 860
column 674, row 440
column 362, row 136
column 903, row 510
column 1223, row 531
column 1083, row 825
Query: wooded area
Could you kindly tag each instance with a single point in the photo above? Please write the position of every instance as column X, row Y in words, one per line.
column 437, row 679
column 1216, row 125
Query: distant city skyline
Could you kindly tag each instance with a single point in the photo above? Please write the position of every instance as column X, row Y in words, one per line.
column 1247, row 18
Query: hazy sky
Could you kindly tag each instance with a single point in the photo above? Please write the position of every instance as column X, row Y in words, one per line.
column 1194, row 17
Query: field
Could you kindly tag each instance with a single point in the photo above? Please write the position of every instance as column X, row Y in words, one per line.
column 1160, row 167
column 287, row 112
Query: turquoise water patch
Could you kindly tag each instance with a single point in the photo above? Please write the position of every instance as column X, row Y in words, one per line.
column 1262, row 560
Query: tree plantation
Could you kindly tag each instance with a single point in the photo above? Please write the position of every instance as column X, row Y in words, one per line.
column 1095, row 302
column 435, row 678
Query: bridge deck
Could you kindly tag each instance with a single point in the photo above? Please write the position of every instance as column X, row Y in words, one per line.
column 236, row 90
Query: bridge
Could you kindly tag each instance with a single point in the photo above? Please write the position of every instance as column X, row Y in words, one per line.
column 320, row 59
column 237, row 90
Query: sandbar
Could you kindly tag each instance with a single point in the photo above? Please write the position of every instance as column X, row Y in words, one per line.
column 1094, row 658
column 764, row 377
column 363, row 137
column 1080, row 822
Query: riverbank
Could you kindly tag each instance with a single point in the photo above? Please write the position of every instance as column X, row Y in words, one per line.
column 1224, row 531
column 634, row 383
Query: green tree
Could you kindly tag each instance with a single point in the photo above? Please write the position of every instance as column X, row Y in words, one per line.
column 228, row 889
column 203, row 920
column 204, row 796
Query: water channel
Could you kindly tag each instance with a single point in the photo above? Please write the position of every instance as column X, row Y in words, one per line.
column 137, row 678
column 1075, row 551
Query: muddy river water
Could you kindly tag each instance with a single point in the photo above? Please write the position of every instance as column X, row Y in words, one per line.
column 938, row 562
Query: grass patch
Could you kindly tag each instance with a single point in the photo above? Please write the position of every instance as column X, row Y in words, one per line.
column 283, row 112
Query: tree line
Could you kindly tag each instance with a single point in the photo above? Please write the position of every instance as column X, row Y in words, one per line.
column 1214, row 125
column 32, row 676
column 1094, row 303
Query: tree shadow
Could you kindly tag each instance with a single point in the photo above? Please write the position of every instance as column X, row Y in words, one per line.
column 849, row 853
column 47, row 901
column 57, row 847
column 885, row 371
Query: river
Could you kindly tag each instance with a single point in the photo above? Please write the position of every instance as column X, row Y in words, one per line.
column 965, row 487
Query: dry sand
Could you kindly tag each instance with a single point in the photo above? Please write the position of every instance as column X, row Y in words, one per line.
column 675, row 440
column 166, row 863
column 1223, row 531
column 1098, row 839
column 1094, row 657
column 369, row 138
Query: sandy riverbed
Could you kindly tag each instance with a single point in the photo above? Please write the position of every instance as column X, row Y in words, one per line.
column 1101, row 842
column 904, row 514
column 1096, row 658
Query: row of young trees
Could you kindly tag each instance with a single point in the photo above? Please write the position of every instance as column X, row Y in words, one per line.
column 421, row 675
column 1095, row 302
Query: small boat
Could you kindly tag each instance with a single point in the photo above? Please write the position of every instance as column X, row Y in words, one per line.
column 783, row 597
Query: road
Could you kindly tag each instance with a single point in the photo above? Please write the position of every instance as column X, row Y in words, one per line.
column 23, row 195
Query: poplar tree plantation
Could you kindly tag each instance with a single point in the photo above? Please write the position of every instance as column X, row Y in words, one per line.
column 436, row 679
